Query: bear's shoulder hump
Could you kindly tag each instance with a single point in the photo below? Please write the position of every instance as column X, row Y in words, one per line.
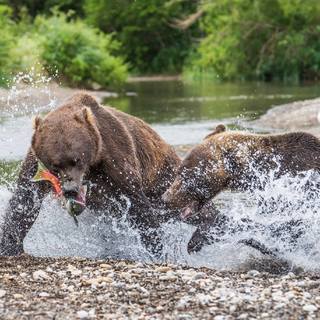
column 84, row 99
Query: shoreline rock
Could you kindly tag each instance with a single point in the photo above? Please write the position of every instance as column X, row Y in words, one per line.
column 295, row 116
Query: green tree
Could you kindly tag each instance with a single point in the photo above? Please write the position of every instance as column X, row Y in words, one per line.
column 36, row 7
column 150, row 39
column 257, row 39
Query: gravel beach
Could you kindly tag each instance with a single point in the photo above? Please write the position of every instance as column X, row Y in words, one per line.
column 41, row 288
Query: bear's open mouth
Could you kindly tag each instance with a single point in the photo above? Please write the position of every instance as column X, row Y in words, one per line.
column 192, row 209
column 76, row 205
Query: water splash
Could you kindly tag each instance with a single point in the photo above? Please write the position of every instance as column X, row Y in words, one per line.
column 286, row 200
column 30, row 92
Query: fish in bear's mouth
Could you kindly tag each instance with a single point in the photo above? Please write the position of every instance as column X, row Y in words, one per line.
column 74, row 206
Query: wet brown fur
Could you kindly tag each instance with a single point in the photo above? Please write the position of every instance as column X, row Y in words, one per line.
column 121, row 154
column 224, row 160
column 296, row 152
column 123, row 142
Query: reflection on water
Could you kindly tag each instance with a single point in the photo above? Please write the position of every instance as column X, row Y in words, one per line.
column 177, row 101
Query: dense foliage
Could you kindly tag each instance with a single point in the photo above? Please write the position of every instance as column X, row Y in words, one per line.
column 256, row 39
column 36, row 7
column 150, row 40
column 6, row 41
column 95, row 41
column 81, row 54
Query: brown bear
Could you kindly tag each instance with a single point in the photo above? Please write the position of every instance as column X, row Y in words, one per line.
column 235, row 161
column 118, row 154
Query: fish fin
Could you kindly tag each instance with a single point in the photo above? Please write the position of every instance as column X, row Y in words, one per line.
column 39, row 174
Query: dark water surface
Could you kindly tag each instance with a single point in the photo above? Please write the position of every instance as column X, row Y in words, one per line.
column 184, row 112
column 171, row 102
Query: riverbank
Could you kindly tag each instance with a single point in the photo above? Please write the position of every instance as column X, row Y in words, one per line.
column 69, row 288
column 30, row 97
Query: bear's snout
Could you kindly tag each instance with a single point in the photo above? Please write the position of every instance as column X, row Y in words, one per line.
column 70, row 189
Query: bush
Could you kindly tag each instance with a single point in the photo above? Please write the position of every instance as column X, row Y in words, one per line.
column 26, row 54
column 256, row 39
column 37, row 7
column 6, row 43
column 82, row 55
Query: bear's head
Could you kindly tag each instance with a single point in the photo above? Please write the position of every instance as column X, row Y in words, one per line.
column 200, row 177
column 67, row 141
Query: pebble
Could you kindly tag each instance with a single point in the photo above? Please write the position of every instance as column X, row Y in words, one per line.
column 2, row 293
column 44, row 294
column 233, row 308
column 92, row 313
column 253, row 273
column 309, row 308
column 40, row 275
column 162, row 269
column 168, row 278
column 199, row 275
column 82, row 314
column 183, row 303
column 74, row 271
column 98, row 280
column 133, row 291
column 203, row 299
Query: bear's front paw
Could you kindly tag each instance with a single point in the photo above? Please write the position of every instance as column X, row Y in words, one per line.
column 199, row 239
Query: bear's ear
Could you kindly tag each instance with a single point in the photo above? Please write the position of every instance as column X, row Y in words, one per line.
column 88, row 116
column 219, row 128
column 36, row 123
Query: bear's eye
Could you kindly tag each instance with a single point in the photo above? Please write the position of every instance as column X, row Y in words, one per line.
column 75, row 162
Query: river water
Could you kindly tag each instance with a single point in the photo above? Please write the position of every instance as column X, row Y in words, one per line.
column 182, row 113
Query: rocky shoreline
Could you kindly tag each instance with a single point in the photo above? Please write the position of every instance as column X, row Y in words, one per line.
column 70, row 288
